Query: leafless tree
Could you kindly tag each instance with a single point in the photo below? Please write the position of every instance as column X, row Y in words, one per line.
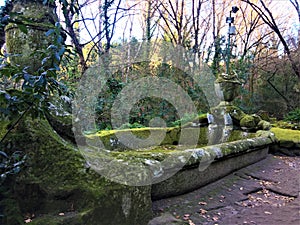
column 266, row 15
column 200, row 26
column 296, row 4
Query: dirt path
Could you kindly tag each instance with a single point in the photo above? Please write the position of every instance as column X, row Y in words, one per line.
column 264, row 193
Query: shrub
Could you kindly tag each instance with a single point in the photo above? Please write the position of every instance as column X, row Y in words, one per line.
column 131, row 126
column 293, row 116
column 185, row 119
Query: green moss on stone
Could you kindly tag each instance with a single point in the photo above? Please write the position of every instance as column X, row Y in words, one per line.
column 248, row 122
column 286, row 134
column 264, row 125
column 236, row 113
column 157, row 153
column 11, row 208
column 239, row 135
column 3, row 127
column 56, row 180
column 172, row 135
column 26, row 47
column 171, row 138
column 287, row 125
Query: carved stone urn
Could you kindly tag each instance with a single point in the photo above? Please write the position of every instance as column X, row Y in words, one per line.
column 226, row 87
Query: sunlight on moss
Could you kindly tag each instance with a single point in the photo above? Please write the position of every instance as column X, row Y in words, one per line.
column 286, row 134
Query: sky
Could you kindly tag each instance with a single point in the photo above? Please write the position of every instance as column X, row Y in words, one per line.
column 281, row 3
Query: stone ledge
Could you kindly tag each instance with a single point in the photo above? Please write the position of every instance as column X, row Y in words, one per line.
column 191, row 179
column 210, row 163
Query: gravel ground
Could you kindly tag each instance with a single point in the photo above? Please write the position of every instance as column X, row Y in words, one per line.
column 264, row 193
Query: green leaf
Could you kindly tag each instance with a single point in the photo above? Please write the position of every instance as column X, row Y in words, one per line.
column 60, row 39
column 3, row 154
column 3, row 176
column 52, row 47
column 56, row 67
column 45, row 60
column 57, row 25
column 49, row 32
column 61, row 51
column 57, row 56
column 41, row 81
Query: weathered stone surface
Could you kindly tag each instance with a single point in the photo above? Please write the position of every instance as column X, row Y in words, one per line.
column 165, row 219
column 264, row 115
column 264, row 125
column 243, row 196
column 192, row 178
column 226, row 87
column 56, row 180
column 286, row 152
column 172, row 136
column 248, row 122
column 286, row 144
column 39, row 19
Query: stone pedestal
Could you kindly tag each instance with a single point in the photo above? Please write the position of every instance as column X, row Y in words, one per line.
column 226, row 88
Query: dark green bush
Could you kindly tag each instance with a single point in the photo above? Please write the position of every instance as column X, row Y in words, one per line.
column 185, row 119
column 131, row 126
column 293, row 116
column 147, row 108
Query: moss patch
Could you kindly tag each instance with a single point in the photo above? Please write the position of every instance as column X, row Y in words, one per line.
column 286, row 134
column 248, row 122
column 287, row 125
column 172, row 136
column 56, row 180
column 38, row 19
column 3, row 127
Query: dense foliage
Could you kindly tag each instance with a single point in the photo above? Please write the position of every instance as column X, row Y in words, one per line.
column 151, row 107
column 293, row 116
column 27, row 93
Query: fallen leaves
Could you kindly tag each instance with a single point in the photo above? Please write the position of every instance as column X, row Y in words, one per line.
column 265, row 183
column 28, row 220
column 215, row 218
column 186, row 216
column 28, row 217
column 191, row 222
column 202, row 211
column 202, row 203
column 266, row 197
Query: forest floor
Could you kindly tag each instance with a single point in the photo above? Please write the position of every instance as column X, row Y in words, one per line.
column 263, row 193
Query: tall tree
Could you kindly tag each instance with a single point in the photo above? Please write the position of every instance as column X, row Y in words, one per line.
column 175, row 21
column 200, row 26
column 267, row 16
column 296, row 4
